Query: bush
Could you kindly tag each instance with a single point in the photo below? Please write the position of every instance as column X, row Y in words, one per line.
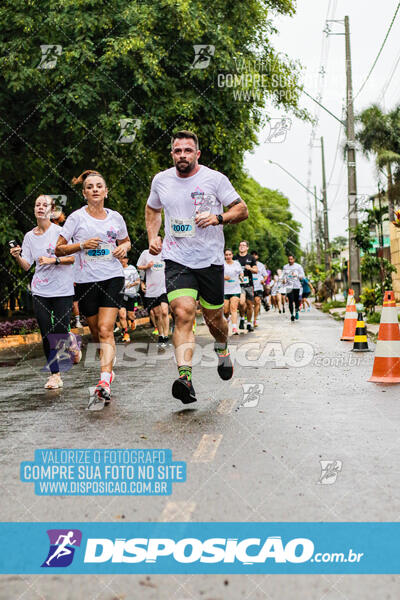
column 20, row 326
column 326, row 306
column 368, row 298
column 374, row 318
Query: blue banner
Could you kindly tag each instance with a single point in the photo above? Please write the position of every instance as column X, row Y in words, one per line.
column 145, row 548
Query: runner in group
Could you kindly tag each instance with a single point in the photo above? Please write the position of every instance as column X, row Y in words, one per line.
column 193, row 197
column 258, row 280
column 292, row 275
column 307, row 290
column 126, row 313
column 100, row 239
column 52, row 287
column 246, row 305
column 233, row 274
column 281, row 291
column 274, row 292
column 155, row 296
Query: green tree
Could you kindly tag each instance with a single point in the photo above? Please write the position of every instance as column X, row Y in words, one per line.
column 115, row 60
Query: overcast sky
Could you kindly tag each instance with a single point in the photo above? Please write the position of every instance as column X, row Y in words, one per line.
column 302, row 37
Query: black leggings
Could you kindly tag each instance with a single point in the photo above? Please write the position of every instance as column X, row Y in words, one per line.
column 53, row 316
column 293, row 297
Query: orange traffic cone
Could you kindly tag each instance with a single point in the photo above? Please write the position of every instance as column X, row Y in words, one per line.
column 386, row 367
column 350, row 318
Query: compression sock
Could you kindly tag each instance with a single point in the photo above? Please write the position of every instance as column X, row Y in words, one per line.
column 185, row 370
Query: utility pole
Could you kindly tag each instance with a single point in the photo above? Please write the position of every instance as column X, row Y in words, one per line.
column 354, row 253
column 325, row 204
column 317, row 230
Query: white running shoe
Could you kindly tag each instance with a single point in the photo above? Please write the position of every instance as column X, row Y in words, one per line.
column 54, row 382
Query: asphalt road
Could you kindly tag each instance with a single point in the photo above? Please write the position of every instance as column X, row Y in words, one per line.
column 249, row 457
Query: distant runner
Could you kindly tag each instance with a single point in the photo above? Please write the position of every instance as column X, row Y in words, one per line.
column 249, row 265
column 292, row 275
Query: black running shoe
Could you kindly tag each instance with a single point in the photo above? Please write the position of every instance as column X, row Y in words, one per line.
column 292, row 318
column 241, row 324
column 250, row 327
column 225, row 367
column 183, row 390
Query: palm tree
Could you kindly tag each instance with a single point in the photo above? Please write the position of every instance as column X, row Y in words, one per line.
column 380, row 135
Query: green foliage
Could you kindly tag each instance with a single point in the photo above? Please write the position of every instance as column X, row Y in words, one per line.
column 132, row 59
column 326, row 306
column 368, row 298
column 374, row 318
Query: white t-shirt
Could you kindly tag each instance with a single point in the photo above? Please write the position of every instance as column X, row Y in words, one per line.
column 232, row 285
column 131, row 275
column 181, row 197
column 292, row 275
column 155, row 276
column 49, row 281
column 259, row 277
column 99, row 264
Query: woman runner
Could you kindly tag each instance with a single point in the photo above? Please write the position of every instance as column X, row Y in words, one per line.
column 100, row 239
column 52, row 286
column 233, row 276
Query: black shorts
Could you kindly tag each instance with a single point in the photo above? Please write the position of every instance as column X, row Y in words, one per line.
column 128, row 302
column 229, row 296
column 306, row 294
column 153, row 302
column 206, row 283
column 248, row 291
column 96, row 294
column 259, row 293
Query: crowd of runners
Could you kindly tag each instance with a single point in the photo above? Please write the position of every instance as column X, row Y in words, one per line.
column 83, row 267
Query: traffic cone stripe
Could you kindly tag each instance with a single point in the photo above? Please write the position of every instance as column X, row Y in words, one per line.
column 360, row 338
column 351, row 315
column 386, row 367
column 389, row 331
column 388, row 349
column 389, row 315
column 350, row 318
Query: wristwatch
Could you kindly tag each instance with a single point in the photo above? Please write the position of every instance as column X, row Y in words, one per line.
column 220, row 219
column 58, row 261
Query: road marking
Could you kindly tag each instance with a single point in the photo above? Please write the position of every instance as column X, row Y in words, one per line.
column 226, row 405
column 207, row 448
column 178, row 511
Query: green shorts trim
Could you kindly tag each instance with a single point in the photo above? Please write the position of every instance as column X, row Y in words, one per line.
column 182, row 292
column 205, row 304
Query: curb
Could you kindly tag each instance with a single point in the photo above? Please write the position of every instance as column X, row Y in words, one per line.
column 12, row 341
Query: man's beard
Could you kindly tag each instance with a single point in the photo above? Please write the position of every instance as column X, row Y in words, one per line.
column 185, row 167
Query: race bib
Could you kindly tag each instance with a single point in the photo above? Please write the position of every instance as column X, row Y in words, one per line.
column 182, row 227
column 158, row 266
column 103, row 252
column 246, row 280
column 231, row 281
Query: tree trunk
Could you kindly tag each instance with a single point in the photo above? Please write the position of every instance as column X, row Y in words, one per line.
column 390, row 192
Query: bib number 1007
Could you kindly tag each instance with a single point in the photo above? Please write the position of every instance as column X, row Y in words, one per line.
column 182, row 228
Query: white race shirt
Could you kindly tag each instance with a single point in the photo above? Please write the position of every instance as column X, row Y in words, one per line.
column 155, row 276
column 131, row 275
column 181, row 198
column 100, row 264
column 232, row 285
column 259, row 277
column 292, row 275
column 49, row 281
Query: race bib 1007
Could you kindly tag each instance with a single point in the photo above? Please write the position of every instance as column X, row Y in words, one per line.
column 103, row 252
column 182, row 227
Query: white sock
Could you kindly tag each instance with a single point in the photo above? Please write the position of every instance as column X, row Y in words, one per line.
column 105, row 376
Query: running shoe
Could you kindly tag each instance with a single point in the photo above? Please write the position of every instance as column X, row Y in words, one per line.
column 292, row 317
column 255, row 324
column 126, row 338
column 283, row 309
column 155, row 332
column 241, row 323
column 250, row 327
column 297, row 315
column 183, row 390
column 225, row 366
column 54, row 382
column 78, row 324
column 116, row 329
column 101, row 396
column 235, row 331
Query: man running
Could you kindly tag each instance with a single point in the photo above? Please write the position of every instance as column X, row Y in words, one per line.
column 128, row 299
column 258, row 280
column 156, row 300
column 292, row 274
column 193, row 197
column 247, row 296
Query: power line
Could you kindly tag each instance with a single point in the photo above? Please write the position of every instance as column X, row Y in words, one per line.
column 380, row 51
column 389, row 80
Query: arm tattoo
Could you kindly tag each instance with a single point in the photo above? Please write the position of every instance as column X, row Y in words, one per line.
column 237, row 201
